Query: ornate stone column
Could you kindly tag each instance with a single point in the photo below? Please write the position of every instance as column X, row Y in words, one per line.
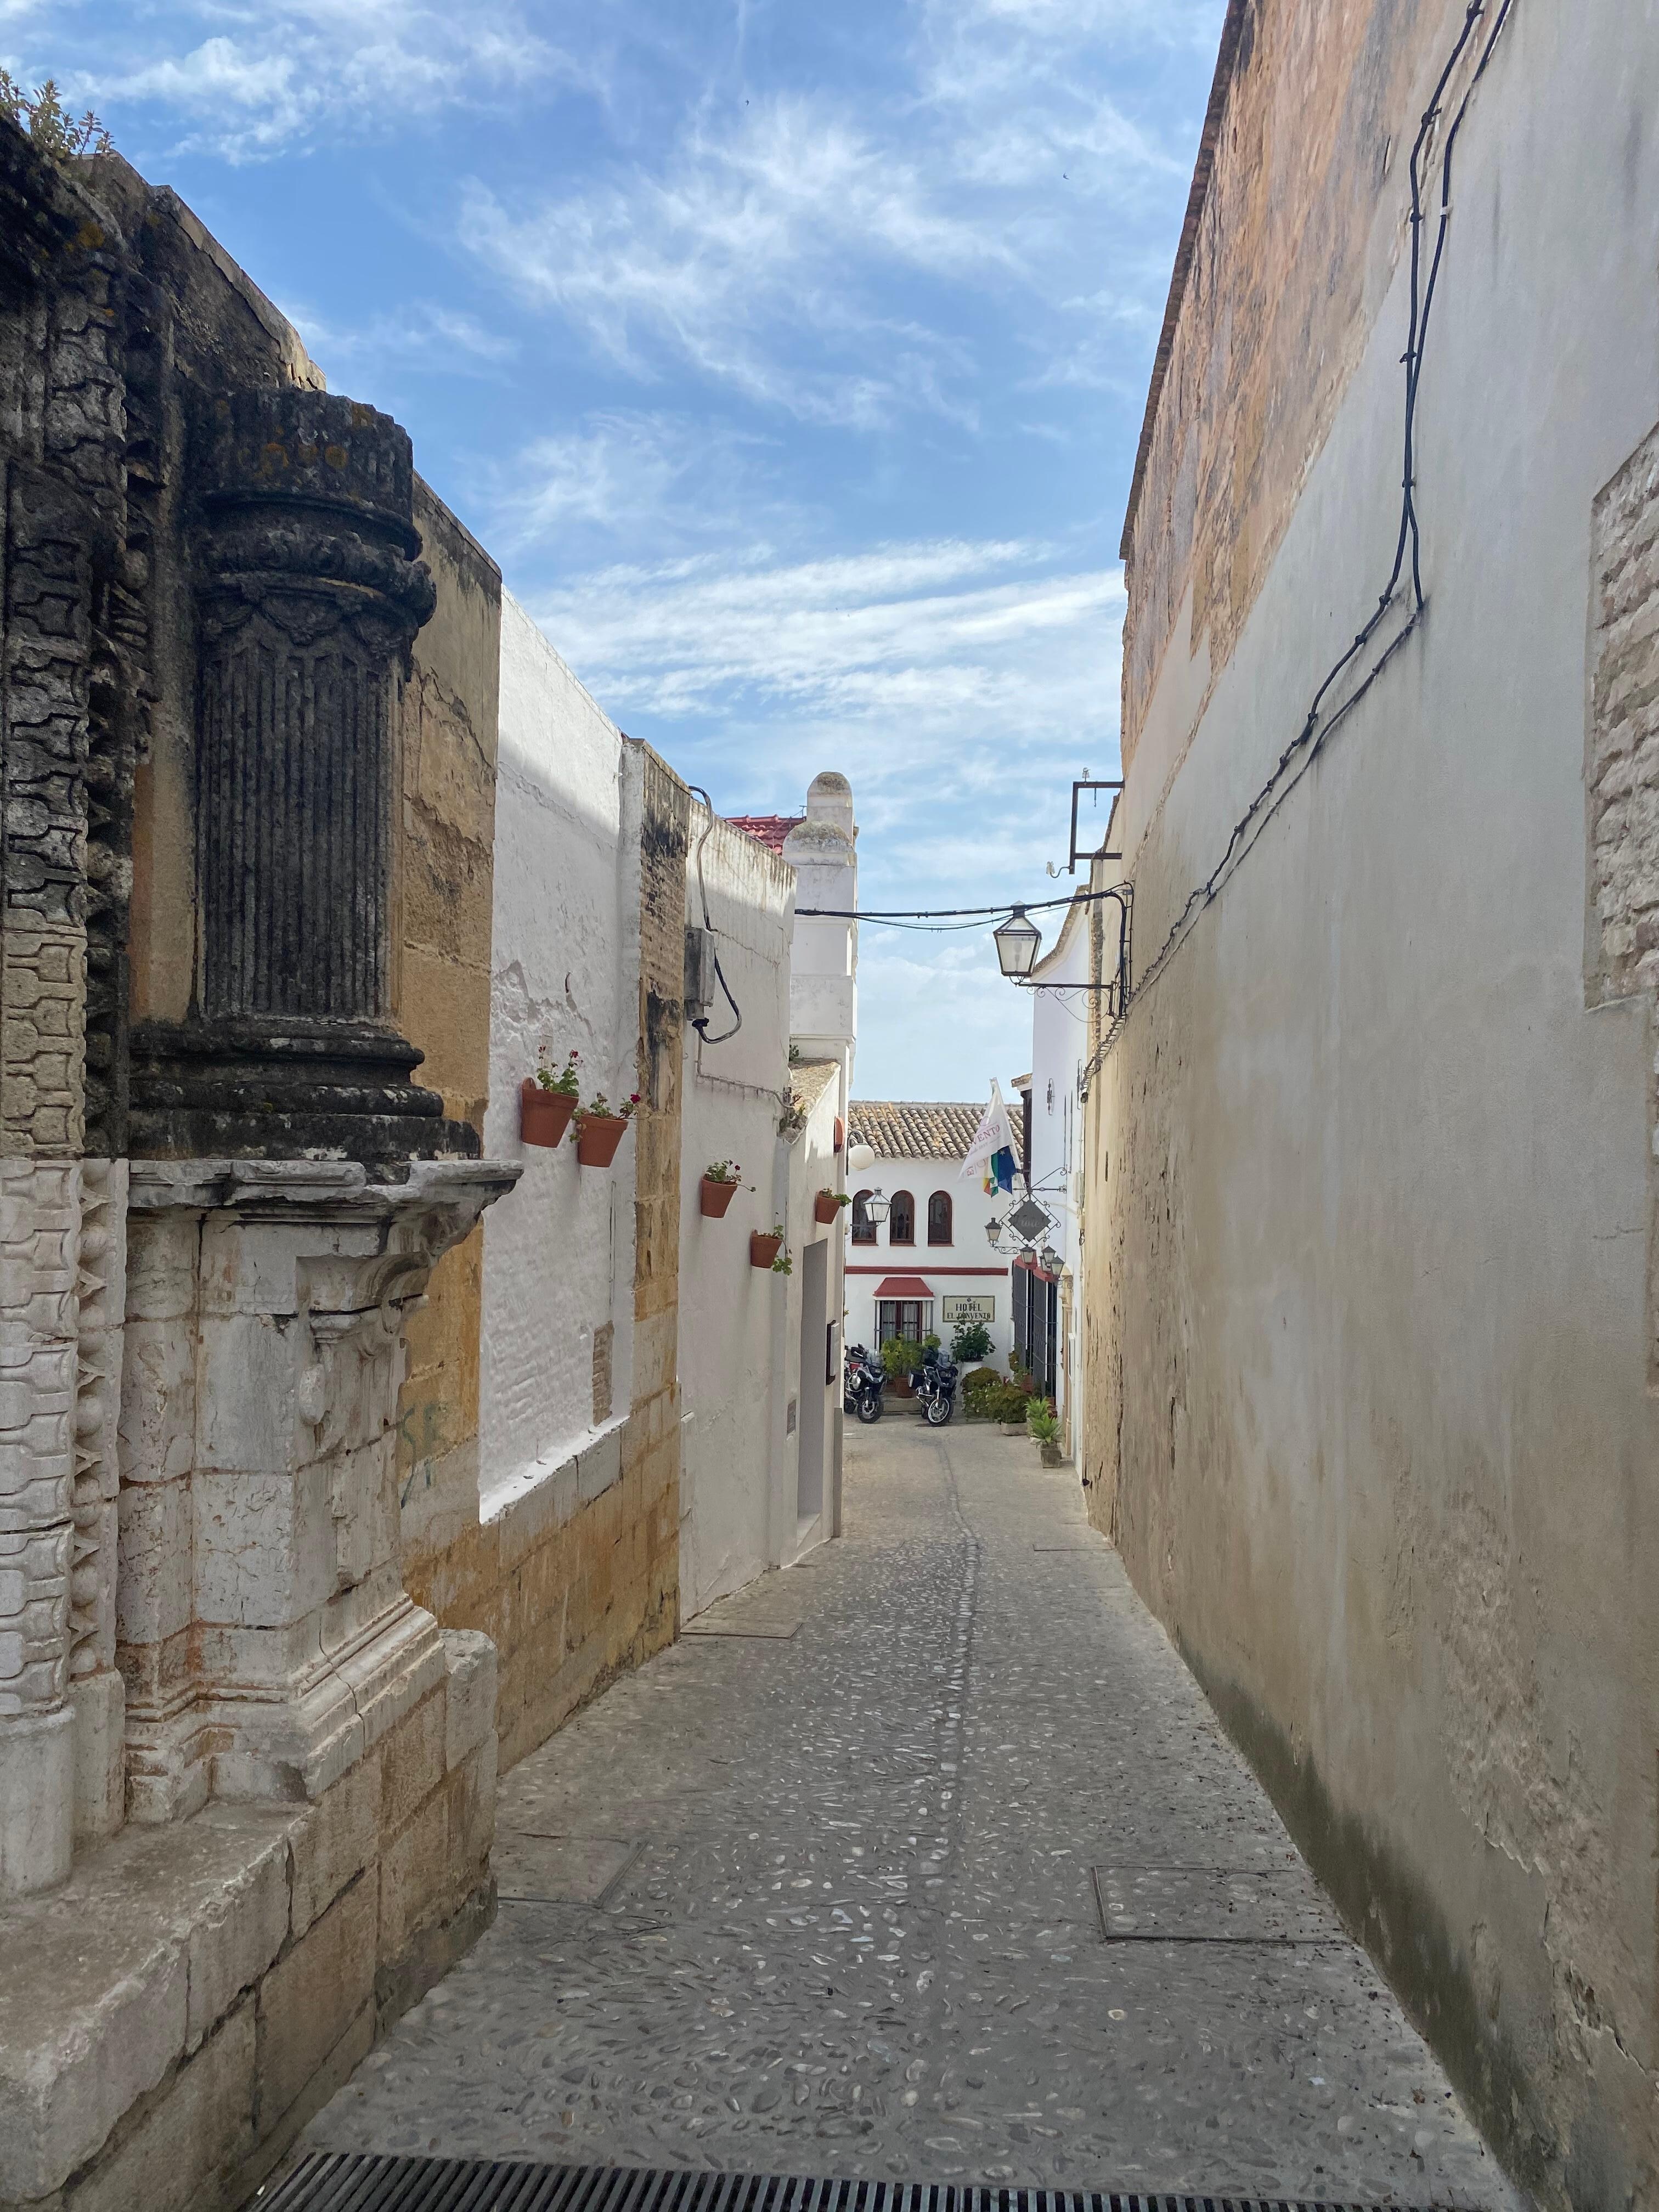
column 264, row 1633
column 309, row 593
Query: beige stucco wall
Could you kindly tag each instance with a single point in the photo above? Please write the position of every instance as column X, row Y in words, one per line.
column 1369, row 1348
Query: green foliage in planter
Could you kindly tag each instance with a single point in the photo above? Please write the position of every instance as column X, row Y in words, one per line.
column 971, row 1340
column 841, row 1197
column 563, row 1081
column 901, row 1358
column 990, row 1396
column 1043, row 1421
column 783, row 1265
column 722, row 1171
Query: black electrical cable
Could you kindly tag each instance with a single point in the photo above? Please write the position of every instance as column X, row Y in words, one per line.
column 700, row 1023
column 1309, row 739
column 941, row 913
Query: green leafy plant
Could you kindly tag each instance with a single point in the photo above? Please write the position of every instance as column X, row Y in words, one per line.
column 1043, row 1421
column 791, row 1121
column 599, row 1108
column 53, row 130
column 783, row 1265
column 900, row 1356
column 723, row 1171
column 562, row 1080
column 988, row 1396
column 795, row 1055
column 841, row 1197
column 970, row 1340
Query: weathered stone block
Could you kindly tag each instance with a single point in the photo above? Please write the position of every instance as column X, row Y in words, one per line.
column 236, row 1933
column 37, row 1800
column 416, row 1877
column 99, row 1702
column 412, row 1762
column 310, row 2000
column 470, row 1791
column 336, row 1840
column 204, row 2126
column 472, row 1692
column 264, row 1545
column 87, row 2024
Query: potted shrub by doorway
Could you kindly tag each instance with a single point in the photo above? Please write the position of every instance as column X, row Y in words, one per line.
column 764, row 1246
column 547, row 1100
column 718, row 1187
column 600, row 1128
column 1044, row 1424
column 828, row 1203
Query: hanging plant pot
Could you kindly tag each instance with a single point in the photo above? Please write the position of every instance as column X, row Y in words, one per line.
column 598, row 1136
column 544, row 1115
column 716, row 1197
column 825, row 1206
column 762, row 1250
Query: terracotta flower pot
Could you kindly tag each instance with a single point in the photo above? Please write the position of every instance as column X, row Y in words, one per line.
column 902, row 1387
column 716, row 1197
column 825, row 1206
column 762, row 1250
column 597, row 1137
column 544, row 1115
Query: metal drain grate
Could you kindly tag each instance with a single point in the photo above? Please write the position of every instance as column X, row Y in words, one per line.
column 351, row 2181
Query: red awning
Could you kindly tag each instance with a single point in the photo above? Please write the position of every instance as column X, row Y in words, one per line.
column 904, row 1287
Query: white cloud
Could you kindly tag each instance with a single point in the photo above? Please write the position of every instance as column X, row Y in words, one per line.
column 423, row 334
column 269, row 73
column 746, row 242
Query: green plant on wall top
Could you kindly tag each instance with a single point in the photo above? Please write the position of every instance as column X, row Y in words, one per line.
column 970, row 1340
column 52, row 130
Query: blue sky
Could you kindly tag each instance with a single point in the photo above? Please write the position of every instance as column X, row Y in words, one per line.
column 789, row 357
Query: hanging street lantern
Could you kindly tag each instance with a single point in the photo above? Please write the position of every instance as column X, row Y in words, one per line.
column 876, row 1208
column 993, row 1231
column 1048, row 1260
column 1016, row 943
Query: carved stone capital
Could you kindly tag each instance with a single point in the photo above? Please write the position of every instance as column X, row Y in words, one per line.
column 267, row 1309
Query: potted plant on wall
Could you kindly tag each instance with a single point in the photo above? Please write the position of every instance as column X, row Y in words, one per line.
column 718, row 1187
column 828, row 1203
column 547, row 1100
column 764, row 1246
column 600, row 1127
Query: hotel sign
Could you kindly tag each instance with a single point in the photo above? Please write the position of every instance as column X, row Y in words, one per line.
column 963, row 1312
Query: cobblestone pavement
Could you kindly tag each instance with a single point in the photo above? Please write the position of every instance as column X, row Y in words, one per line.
column 832, row 1901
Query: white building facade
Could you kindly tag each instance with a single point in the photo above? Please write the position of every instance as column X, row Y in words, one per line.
column 930, row 1264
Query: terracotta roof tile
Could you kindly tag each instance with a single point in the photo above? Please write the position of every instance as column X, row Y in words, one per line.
column 916, row 1128
column 769, row 830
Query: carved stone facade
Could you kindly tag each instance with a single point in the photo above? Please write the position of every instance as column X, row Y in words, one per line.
column 222, row 1196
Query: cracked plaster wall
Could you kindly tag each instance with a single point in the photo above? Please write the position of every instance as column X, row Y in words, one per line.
column 1371, row 1410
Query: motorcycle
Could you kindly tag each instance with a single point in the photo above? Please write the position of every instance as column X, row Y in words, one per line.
column 935, row 1382
column 863, row 1380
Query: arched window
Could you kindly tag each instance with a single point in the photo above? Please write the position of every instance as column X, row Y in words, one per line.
column 938, row 1217
column 902, row 1221
column 864, row 1229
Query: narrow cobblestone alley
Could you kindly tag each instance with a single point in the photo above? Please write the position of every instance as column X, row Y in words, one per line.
column 822, row 1890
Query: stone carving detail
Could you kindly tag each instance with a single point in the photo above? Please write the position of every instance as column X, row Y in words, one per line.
column 310, row 598
column 309, row 594
column 47, row 642
column 266, row 1636
column 39, row 1233
column 94, row 1686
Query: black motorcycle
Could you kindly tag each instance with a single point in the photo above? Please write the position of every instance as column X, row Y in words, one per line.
column 862, row 1382
column 935, row 1382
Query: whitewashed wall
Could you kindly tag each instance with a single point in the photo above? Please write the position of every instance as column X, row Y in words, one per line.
column 559, row 1260
column 733, row 1315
